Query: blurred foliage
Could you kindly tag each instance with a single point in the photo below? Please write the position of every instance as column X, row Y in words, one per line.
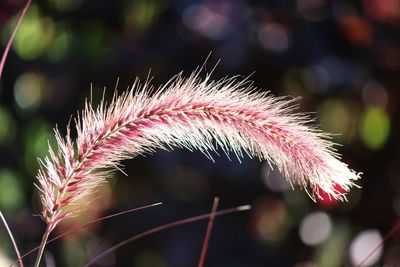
column 11, row 196
column 7, row 129
column 34, row 36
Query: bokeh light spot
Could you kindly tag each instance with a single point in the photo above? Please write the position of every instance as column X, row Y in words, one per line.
column 357, row 29
column 73, row 252
column 273, row 179
column 333, row 250
column 28, row 90
column 270, row 219
column 338, row 119
column 374, row 127
column 274, row 37
column 315, row 228
column 34, row 35
column 386, row 11
column 104, row 199
column 139, row 14
column 313, row 10
column 206, row 21
column 37, row 135
column 375, row 94
column 363, row 244
column 7, row 129
column 58, row 49
column 11, row 195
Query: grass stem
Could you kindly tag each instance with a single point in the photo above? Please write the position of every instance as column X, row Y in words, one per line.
column 42, row 246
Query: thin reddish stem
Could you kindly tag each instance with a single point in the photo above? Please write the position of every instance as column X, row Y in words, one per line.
column 5, row 53
column 12, row 240
column 88, row 224
column 208, row 232
column 42, row 246
column 164, row 227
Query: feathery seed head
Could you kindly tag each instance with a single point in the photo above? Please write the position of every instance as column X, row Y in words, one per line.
column 195, row 114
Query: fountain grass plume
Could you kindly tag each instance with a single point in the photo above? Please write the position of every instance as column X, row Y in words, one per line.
column 193, row 113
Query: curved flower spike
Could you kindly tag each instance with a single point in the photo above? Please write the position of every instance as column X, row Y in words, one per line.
column 195, row 114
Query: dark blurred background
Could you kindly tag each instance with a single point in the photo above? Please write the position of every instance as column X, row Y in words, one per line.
column 341, row 57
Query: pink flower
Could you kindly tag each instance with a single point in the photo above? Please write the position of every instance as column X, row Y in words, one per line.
column 195, row 114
